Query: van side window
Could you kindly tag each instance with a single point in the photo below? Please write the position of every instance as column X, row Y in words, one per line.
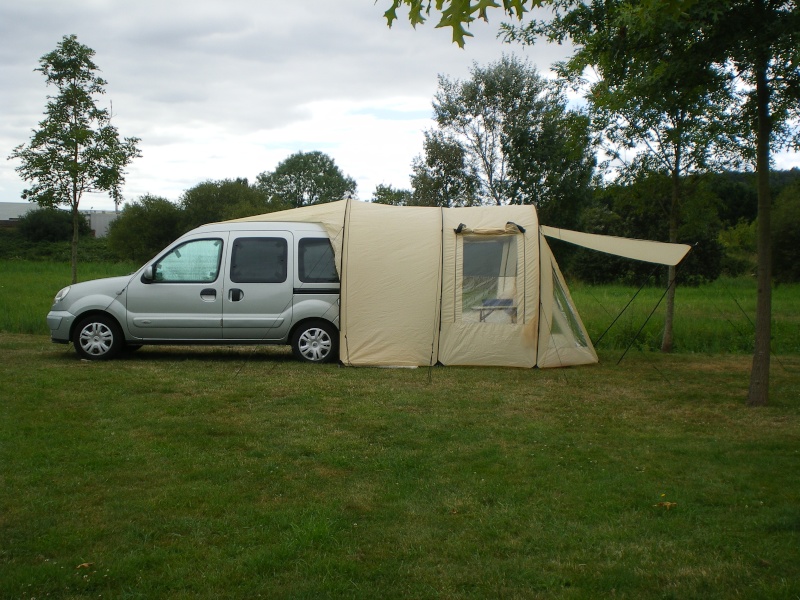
column 193, row 262
column 259, row 260
column 315, row 262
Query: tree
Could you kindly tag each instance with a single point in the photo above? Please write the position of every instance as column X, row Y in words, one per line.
column 443, row 177
column 386, row 194
column 653, row 98
column 755, row 41
column 305, row 178
column 519, row 141
column 76, row 149
column 143, row 228
column 212, row 201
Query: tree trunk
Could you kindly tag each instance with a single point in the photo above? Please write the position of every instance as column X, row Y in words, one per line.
column 669, row 317
column 759, row 375
column 74, row 249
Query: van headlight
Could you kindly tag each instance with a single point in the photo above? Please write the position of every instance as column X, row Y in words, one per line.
column 61, row 294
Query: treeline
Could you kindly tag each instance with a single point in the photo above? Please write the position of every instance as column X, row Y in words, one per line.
column 719, row 221
column 507, row 135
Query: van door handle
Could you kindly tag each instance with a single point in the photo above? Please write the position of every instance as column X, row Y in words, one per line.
column 208, row 295
column 235, row 294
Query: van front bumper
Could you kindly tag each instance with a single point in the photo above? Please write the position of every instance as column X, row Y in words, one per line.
column 59, row 322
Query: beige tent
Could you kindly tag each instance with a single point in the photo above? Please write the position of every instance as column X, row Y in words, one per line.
column 457, row 286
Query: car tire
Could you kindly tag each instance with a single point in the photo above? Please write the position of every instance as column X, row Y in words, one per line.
column 316, row 342
column 97, row 337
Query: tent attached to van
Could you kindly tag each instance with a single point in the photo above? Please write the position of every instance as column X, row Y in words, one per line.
column 457, row 286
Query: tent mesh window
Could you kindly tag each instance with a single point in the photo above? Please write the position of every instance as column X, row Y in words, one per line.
column 565, row 319
column 489, row 279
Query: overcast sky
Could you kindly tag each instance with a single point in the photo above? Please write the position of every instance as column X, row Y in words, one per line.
column 219, row 89
column 223, row 89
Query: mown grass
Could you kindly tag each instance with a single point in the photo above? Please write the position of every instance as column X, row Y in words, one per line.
column 239, row 473
column 715, row 318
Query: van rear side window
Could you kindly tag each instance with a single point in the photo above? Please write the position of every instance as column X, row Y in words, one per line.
column 259, row 260
column 315, row 261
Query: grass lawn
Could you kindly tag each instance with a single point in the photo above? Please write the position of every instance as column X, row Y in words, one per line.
column 239, row 473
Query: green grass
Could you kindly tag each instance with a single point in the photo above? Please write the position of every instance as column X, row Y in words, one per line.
column 715, row 318
column 27, row 289
column 211, row 473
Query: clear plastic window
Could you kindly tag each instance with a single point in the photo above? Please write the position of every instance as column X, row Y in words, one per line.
column 565, row 317
column 315, row 261
column 259, row 260
column 193, row 262
column 489, row 279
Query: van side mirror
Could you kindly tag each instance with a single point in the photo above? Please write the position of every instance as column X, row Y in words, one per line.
column 147, row 274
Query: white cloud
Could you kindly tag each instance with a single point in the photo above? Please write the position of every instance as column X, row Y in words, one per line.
column 229, row 89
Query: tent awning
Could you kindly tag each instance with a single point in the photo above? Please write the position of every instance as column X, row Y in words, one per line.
column 662, row 253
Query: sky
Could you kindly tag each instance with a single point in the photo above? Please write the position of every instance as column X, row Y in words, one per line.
column 225, row 89
column 222, row 89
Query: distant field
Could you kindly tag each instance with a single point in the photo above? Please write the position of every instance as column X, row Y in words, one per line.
column 715, row 318
column 216, row 473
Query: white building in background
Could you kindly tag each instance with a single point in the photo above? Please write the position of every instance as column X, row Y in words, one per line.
column 99, row 220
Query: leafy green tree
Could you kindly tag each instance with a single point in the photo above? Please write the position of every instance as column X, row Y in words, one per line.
column 144, row 227
column 754, row 41
column 305, row 178
column 386, row 194
column 635, row 210
column 213, row 201
column 76, row 149
column 653, row 97
column 517, row 137
column 50, row 225
column 443, row 176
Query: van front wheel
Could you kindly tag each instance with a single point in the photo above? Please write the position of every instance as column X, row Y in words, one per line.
column 97, row 337
column 316, row 342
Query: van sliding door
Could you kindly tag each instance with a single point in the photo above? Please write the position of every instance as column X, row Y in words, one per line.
column 257, row 301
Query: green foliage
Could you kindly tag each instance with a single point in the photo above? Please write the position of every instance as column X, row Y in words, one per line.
column 739, row 245
column 386, row 194
column 143, row 228
column 50, row 225
column 457, row 14
column 443, row 176
column 76, row 149
column 517, row 139
column 305, row 178
column 213, row 201
column 786, row 235
column 641, row 210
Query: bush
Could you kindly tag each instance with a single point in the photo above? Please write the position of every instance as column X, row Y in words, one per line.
column 143, row 228
column 786, row 235
column 50, row 225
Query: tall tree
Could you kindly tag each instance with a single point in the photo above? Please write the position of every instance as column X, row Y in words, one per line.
column 655, row 99
column 754, row 40
column 517, row 137
column 443, row 176
column 306, row 178
column 76, row 149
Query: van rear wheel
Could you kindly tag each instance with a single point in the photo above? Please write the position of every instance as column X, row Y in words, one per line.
column 315, row 342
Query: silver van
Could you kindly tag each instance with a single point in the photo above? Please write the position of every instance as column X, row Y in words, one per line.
column 223, row 283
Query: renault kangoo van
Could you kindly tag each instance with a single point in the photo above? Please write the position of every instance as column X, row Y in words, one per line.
column 223, row 283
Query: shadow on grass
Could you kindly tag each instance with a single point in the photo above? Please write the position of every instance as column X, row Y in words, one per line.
column 199, row 353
